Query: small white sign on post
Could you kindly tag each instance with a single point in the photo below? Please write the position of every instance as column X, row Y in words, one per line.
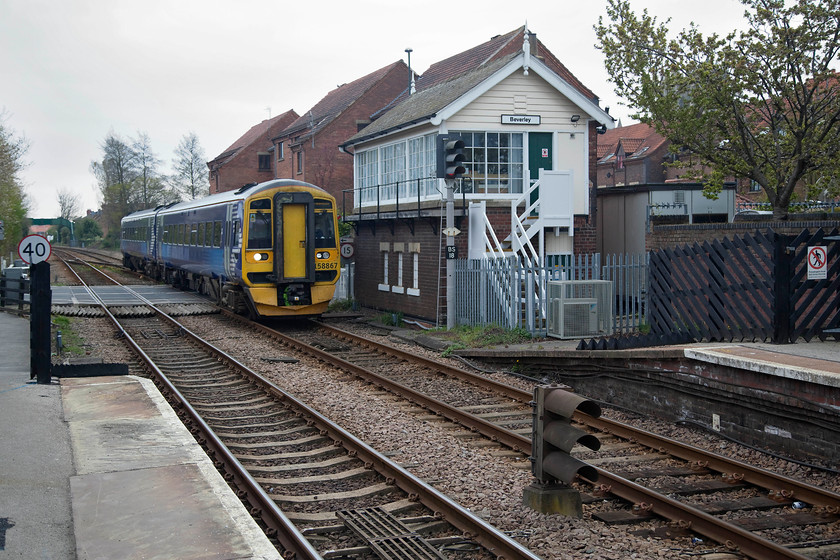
column 817, row 265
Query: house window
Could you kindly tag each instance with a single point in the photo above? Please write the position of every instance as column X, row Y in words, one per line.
column 405, row 163
column 421, row 165
column 414, row 251
column 754, row 186
column 393, row 169
column 281, row 153
column 494, row 161
column 383, row 249
column 300, row 161
column 399, row 249
column 367, row 175
column 264, row 162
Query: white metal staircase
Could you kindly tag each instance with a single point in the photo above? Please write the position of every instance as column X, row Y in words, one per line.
column 545, row 204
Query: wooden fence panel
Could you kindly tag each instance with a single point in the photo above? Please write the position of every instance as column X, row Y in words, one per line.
column 716, row 291
column 753, row 287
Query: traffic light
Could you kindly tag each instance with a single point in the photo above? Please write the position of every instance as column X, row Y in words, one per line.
column 450, row 157
column 554, row 436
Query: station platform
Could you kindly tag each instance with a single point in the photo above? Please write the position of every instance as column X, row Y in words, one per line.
column 102, row 468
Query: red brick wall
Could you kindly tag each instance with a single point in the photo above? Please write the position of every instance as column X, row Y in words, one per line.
column 369, row 260
column 323, row 164
column 664, row 237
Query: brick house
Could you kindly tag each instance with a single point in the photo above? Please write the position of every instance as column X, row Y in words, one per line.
column 530, row 129
column 248, row 160
column 308, row 148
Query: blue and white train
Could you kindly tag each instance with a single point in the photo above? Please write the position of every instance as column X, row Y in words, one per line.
column 267, row 249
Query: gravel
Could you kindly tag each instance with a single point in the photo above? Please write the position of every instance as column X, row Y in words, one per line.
column 483, row 478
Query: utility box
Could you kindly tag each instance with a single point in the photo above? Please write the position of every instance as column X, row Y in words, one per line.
column 15, row 282
column 579, row 308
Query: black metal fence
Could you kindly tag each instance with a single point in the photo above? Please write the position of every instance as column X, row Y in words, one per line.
column 14, row 292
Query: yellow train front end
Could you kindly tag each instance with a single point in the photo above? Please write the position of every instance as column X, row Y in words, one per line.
column 290, row 251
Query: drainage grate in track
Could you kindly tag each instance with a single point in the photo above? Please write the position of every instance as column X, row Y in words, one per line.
column 387, row 536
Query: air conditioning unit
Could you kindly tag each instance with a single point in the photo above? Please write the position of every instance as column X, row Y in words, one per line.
column 579, row 308
column 573, row 318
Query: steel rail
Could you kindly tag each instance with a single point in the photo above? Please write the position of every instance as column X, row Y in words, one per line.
column 485, row 534
column 482, row 532
column 454, row 414
column 702, row 523
column 464, row 375
column 782, row 485
column 280, row 527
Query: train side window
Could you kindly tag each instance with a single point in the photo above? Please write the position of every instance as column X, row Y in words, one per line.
column 217, row 234
column 181, row 228
column 200, row 234
column 193, row 234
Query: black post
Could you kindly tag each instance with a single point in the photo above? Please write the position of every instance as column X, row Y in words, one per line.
column 40, row 302
column 783, row 262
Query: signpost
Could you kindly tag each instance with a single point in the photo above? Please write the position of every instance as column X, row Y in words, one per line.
column 35, row 250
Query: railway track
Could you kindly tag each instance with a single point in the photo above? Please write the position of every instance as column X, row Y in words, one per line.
column 747, row 509
column 317, row 489
column 729, row 502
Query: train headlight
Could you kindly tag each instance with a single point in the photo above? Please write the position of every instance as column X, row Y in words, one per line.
column 260, row 256
column 322, row 255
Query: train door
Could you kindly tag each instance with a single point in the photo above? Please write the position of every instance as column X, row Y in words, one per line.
column 294, row 242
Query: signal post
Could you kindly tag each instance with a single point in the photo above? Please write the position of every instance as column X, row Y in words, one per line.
column 450, row 166
column 553, row 438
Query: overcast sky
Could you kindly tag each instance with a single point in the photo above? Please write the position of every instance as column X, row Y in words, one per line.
column 72, row 71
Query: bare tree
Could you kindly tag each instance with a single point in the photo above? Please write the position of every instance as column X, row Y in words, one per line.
column 151, row 189
column 190, row 178
column 68, row 204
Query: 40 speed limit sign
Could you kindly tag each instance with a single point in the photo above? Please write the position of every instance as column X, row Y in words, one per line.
column 33, row 249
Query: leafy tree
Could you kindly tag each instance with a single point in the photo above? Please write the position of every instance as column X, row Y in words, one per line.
column 762, row 104
column 88, row 230
column 190, row 178
column 13, row 200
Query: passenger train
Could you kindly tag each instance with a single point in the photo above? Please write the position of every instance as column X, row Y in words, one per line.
column 267, row 249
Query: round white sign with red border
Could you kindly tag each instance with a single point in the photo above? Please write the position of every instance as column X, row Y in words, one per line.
column 33, row 249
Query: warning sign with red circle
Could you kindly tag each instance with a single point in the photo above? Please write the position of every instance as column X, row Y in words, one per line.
column 817, row 266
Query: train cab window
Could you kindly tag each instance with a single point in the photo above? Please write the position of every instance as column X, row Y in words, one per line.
column 324, row 230
column 259, row 230
column 259, row 224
